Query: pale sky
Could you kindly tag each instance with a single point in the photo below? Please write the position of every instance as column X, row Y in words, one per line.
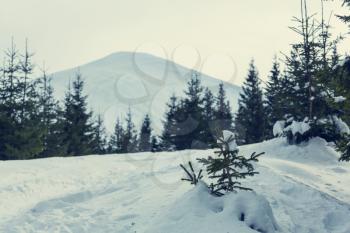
column 67, row 33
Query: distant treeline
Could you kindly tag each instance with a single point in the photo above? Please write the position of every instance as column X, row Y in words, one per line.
column 309, row 98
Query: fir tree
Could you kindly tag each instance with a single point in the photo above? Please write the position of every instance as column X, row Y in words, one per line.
column 191, row 125
column 99, row 141
column 145, row 135
column 78, row 128
column 52, row 120
column 130, row 137
column 250, row 121
column 116, row 140
column 309, row 70
column 23, row 139
column 345, row 18
column 228, row 166
column 170, row 125
column 274, row 97
column 222, row 113
column 207, row 136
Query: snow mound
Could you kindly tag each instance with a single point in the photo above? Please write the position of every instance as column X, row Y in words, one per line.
column 315, row 151
column 199, row 212
column 298, row 127
column 278, row 128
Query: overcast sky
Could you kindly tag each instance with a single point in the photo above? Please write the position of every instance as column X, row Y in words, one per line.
column 67, row 33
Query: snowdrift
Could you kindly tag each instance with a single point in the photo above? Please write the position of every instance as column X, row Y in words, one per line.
column 199, row 212
column 300, row 189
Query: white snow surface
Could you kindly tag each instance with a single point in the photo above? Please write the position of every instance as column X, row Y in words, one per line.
column 234, row 211
column 229, row 136
column 298, row 127
column 140, row 81
column 341, row 125
column 278, row 128
column 339, row 99
column 300, row 189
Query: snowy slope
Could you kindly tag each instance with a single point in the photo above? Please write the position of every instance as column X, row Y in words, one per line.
column 141, row 81
column 308, row 191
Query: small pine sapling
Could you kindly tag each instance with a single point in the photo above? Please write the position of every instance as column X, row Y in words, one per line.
column 228, row 167
column 191, row 175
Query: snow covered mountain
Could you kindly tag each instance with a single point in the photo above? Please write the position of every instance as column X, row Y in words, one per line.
column 304, row 187
column 142, row 81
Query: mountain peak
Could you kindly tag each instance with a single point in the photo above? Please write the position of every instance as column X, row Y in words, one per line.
column 141, row 81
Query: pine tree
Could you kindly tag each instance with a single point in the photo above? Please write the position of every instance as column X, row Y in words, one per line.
column 52, row 120
column 130, row 138
column 222, row 113
column 22, row 137
column 191, row 125
column 8, row 107
column 228, row 166
column 145, row 135
column 28, row 89
column 309, row 69
column 116, row 140
column 345, row 18
column 274, row 97
column 78, row 128
column 207, row 136
column 99, row 141
column 170, row 125
column 250, row 121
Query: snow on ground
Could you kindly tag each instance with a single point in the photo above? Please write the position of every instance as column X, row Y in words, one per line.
column 306, row 187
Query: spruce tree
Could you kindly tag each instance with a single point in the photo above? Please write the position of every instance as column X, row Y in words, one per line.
column 345, row 18
column 8, row 106
column 116, row 140
column 274, row 98
column 22, row 137
column 52, row 119
column 78, row 128
column 191, row 125
column 99, row 141
column 145, row 135
column 169, row 133
column 207, row 136
column 222, row 112
column 130, row 138
column 250, row 121
column 309, row 69
column 227, row 167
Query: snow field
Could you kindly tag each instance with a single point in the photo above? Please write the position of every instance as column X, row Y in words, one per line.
column 305, row 187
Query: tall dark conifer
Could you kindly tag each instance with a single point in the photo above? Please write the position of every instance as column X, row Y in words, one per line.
column 145, row 135
column 222, row 113
column 130, row 137
column 274, row 97
column 116, row 140
column 250, row 121
column 99, row 141
column 78, row 124
column 52, row 120
column 19, row 104
column 191, row 124
column 169, row 133
column 208, row 136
